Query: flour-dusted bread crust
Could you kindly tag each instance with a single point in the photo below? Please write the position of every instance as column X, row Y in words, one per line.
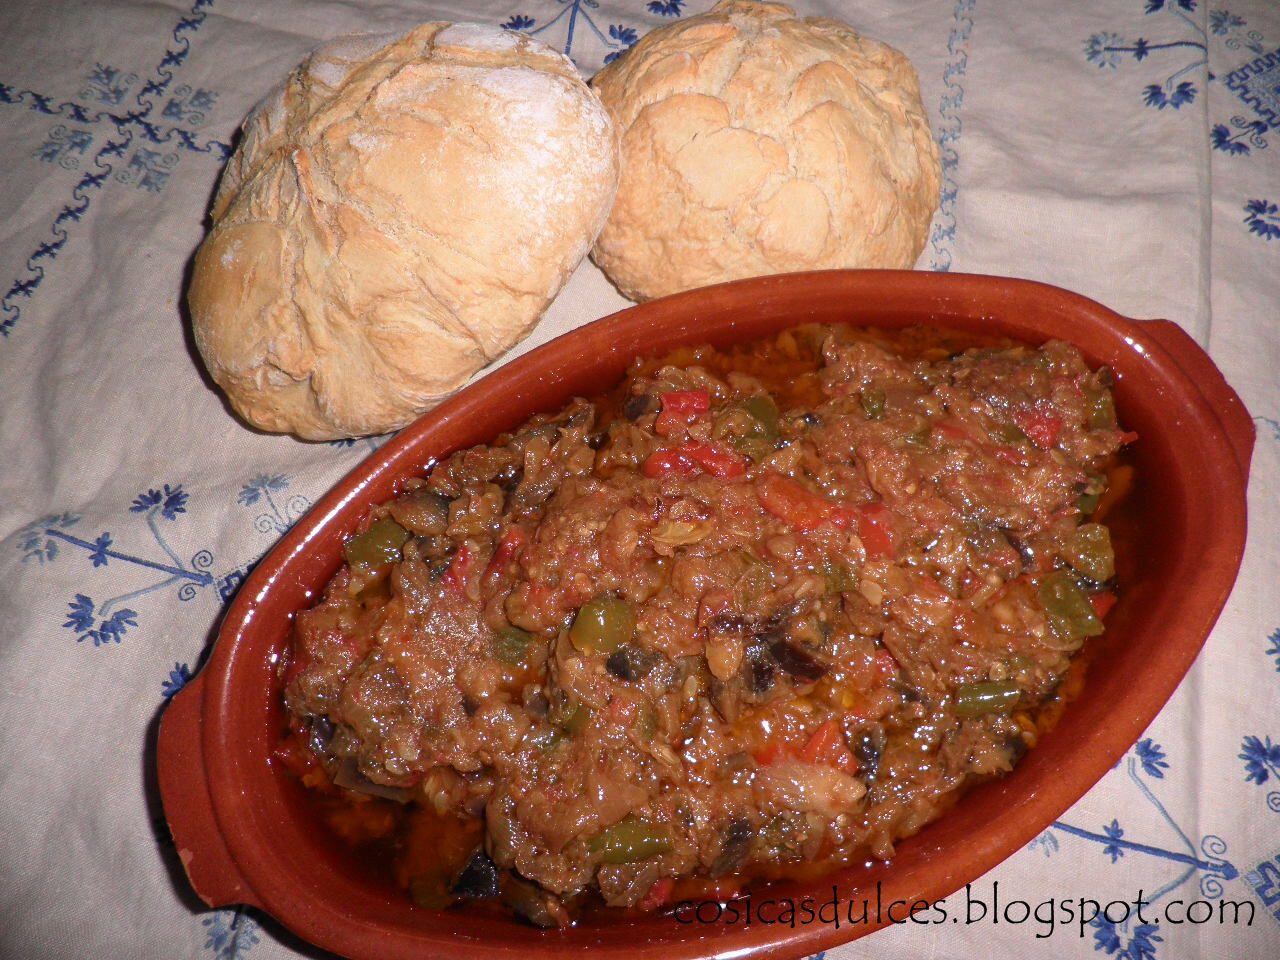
column 399, row 213
column 754, row 142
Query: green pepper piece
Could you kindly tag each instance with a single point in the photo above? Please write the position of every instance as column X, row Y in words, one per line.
column 602, row 625
column 839, row 577
column 1009, row 433
column 1089, row 551
column 1070, row 613
column 511, row 645
column 380, row 544
column 988, row 696
column 764, row 411
column 873, row 403
column 1088, row 503
column 630, row 840
column 576, row 720
column 1100, row 409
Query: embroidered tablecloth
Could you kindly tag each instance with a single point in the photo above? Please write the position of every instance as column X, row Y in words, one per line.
column 1128, row 150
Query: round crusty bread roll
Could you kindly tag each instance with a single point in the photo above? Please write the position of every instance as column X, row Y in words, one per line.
column 756, row 143
column 399, row 213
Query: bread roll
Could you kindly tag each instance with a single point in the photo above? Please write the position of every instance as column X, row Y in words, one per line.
column 755, row 143
column 399, row 213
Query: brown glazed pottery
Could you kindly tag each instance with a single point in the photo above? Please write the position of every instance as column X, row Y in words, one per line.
column 239, row 822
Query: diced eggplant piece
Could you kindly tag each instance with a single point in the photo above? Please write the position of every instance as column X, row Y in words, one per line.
column 637, row 406
column 797, row 661
column 478, row 879
column 349, row 777
column 531, row 903
column 733, row 847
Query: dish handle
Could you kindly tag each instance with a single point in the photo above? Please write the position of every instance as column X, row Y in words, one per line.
column 1204, row 373
column 184, row 792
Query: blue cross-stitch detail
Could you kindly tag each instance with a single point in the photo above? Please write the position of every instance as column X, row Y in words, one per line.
column 1263, row 219
column 231, row 934
column 1257, row 84
column 189, row 106
column 108, row 85
column 575, row 16
column 1274, row 649
column 64, row 146
column 1265, row 881
column 950, row 128
column 177, row 679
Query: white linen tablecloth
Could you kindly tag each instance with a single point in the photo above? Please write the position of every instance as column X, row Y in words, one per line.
column 1127, row 150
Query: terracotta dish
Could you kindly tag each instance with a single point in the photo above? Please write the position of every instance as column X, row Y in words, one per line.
column 240, row 824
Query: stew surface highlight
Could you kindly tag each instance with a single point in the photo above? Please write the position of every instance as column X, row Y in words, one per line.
column 756, row 612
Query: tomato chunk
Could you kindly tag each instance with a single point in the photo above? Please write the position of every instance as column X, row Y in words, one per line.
column 827, row 747
column 793, row 504
column 716, row 461
column 680, row 408
column 875, row 530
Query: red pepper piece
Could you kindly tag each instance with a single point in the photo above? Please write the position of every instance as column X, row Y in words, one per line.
column 875, row 530
column 671, row 460
column 1043, row 428
column 716, row 461
column 681, row 407
column 794, row 505
column 658, row 894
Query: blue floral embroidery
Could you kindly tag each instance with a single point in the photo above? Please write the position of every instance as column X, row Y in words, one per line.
column 1274, row 426
column 171, row 501
column 1222, row 22
column 177, row 679
column 35, row 540
column 1141, row 944
column 1261, row 759
column 1221, row 137
column 1113, row 831
column 107, row 84
column 669, row 8
column 1263, row 219
column 279, row 518
column 1107, row 49
column 576, row 15
column 1046, row 843
column 1274, row 649
column 231, row 934
column 82, row 621
column 1151, row 756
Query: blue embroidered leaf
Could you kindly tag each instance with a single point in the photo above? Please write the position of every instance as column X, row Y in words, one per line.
column 1220, row 138
column 1153, row 95
column 145, row 501
column 1274, row 649
column 623, row 34
column 99, row 552
column 1262, row 219
column 80, row 614
column 1140, row 49
column 1142, row 946
column 231, row 934
column 1115, row 832
column 1105, row 937
column 1154, row 6
column 1187, row 5
column 1152, row 758
column 1261, row 759
column 518, row 21
column 1185, row 92
column 667, row 8
column 112, row 629
column 176, row 680
column 175, row 502
column 249, row 495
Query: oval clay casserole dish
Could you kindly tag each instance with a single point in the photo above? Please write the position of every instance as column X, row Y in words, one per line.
column 242, row 825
